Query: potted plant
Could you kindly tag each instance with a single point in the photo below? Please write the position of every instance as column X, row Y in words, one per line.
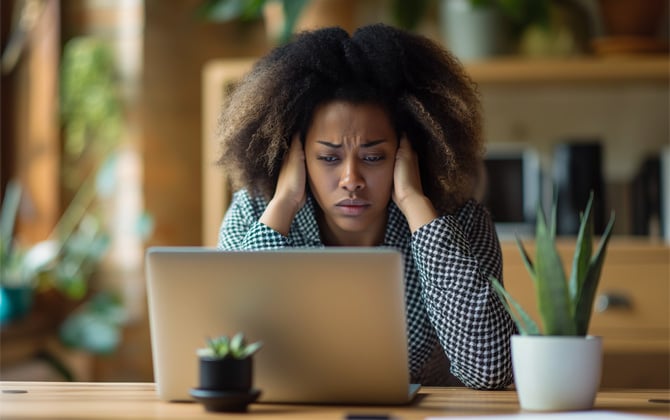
column 19, row 266
column 226, row 374
column 282, row 17
column 558, row 367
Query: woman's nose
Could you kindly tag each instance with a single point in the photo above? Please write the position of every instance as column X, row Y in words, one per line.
column 351, row 178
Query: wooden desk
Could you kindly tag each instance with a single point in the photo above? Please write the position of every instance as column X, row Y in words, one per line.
column 81, row 400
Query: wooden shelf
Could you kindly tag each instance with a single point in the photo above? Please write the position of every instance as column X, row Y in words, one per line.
column 585, row 69
column 219, row 73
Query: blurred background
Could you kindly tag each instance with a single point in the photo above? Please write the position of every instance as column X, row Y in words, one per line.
column 108, row 115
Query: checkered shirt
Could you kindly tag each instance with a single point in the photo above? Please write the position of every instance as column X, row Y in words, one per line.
column 459, row 332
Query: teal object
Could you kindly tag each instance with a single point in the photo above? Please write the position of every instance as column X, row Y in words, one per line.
column 15, row 303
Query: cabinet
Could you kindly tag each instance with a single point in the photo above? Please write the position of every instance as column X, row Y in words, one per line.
column 630, row 310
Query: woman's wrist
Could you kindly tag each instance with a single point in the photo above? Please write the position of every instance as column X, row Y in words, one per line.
column 418, row 211
column 279, row 215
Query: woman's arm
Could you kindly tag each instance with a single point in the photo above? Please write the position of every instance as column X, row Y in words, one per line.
column 241, row 228
column 407, row 192
column 290, row 194
column 251, row 223
column 456, row 255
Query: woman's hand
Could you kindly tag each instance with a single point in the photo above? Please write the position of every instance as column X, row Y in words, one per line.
column 290, row 193
column 407, row 191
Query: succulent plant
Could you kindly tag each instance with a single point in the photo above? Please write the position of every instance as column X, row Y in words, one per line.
column 224, row 346
column 565, row 307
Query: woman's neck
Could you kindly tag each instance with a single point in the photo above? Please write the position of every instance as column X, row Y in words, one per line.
column 331, row 235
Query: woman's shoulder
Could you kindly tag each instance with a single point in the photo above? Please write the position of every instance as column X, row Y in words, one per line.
column 470, row 214
column 246, row 202
column 473, row 206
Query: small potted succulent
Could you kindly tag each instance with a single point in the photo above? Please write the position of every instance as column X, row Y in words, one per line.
column 226, row 374
column 558, row 367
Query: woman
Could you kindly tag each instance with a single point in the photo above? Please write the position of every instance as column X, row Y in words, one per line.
column 374, row 140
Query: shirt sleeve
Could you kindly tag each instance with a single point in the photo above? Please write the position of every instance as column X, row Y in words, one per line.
column 456, row 255
column 241, row 229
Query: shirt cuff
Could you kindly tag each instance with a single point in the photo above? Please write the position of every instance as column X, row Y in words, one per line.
column 261, row 236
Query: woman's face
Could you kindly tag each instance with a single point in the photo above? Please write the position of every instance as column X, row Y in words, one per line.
column 349, row 155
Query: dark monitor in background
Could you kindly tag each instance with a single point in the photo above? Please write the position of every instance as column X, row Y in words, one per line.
column 512, row 190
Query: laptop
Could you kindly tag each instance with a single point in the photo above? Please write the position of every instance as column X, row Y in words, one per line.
column 332, row 320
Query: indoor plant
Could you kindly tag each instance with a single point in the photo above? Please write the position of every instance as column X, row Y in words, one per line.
column 226, row 374
column 20, row 267
column 249, row 10
column 558, row 367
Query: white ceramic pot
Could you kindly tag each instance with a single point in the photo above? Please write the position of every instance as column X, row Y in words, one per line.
column 474, row 32
column 556, row 373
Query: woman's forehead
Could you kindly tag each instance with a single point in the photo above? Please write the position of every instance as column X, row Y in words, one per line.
column 340, row 114
column 339, row 122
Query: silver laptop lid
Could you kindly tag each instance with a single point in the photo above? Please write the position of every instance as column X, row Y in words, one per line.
column 332, row 320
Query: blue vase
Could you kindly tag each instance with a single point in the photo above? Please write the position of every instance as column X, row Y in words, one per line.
column 15, row 303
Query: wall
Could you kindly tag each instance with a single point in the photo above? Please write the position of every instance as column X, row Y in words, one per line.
column 176, row 45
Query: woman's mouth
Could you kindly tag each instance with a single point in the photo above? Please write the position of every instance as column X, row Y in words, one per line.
column 352, row 207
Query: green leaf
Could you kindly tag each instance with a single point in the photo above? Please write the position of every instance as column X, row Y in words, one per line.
column 96, row 327
column 220, row 346
column 237, row 345
column 227, row 10
column 90, row 332
column 582, row 256
column 70, row 281
column 251, row 349
column 10, row 207
column 206, row 352
column 408, row 14
column 553, row 218
column 523, row 321
column 526, row 259
column 551, row 285
column 513, row 8
column 584, row 305
column 292, row 10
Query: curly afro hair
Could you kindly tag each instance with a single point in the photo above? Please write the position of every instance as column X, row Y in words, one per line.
column 424, row 89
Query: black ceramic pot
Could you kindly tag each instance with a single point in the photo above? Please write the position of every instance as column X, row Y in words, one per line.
column 227, row 374
column 225, row 384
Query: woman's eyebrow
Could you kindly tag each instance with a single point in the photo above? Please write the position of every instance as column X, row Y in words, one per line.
column 329, row 144
column 368, row 144
column 373, row 143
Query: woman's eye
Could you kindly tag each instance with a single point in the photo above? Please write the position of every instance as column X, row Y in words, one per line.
column 373, row 158
column 327, row 159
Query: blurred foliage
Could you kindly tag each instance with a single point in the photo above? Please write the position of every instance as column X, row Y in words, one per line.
column 18, row 267
column 91, row 107
column 67, row 262
column 226, row 10
column 96, row 327
column 250, row 10
column 521, row 13
column 69, row 259
column 406, row 14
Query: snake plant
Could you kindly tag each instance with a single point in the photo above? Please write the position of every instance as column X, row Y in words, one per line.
column 565, row 306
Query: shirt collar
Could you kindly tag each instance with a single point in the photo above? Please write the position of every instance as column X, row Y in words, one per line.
column 397, row 232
